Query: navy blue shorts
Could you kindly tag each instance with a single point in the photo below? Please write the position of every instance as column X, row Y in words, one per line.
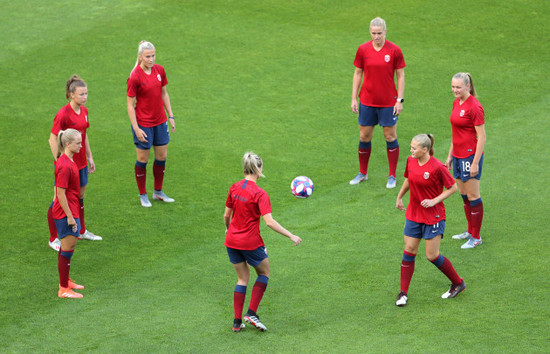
column 63, row 229
column 427, row 232
column 461, row 168
column 371, row 116
column 83, row 176
column 254, row 257
column 156, row 136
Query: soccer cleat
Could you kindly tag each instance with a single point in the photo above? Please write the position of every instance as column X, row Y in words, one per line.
column 359, row 178
column 73, row 285
column 145, row 200
column 67, row 292
column 462, row 236
column 87, row 235
column 237, row 325
column 159, row 195
column 471, row 243
column 255, row 321
column 401, row 299
column 454, row 290
column 392, row 182
column 55, row 244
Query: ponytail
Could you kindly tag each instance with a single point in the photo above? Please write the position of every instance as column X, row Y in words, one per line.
column 252, row 164
column 426, row 141
column 64, row 138
column 467, row 79
column 71, row 85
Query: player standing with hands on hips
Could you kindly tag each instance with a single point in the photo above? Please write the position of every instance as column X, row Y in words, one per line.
column 466, row 154
column 245, row 204
column 425, row 177
column 74, row 115
column 147, row 100
column 66, row 207
column 379, row 61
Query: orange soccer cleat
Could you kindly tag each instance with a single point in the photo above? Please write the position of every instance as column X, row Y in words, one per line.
column 73, row 285
column 67, row 292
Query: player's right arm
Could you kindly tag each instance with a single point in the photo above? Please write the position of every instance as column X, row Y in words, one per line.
column 449, row 161
column 131, row 104
column 404, row 189
column 53, row 145
column 357, row 76
column 275, row 226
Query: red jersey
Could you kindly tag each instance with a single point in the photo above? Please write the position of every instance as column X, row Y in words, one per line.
column 426, row 182
column 378, row 89
column 147, row 89
column 464, row 118
column 248, row 202
column 67, row 118
column 67, row 177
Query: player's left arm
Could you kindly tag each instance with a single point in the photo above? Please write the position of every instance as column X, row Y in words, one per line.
column 428, row 203
column 481, row 138
column 400, row 74
column 227, row 217
column 89, row 156
column 168, row 107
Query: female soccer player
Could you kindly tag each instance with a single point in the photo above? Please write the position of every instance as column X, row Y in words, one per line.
column 66, row 207
column 75, row 116
column 425, row 177
column 466, row 154
column 147, row 85
column 245, row 204
column 380, row 103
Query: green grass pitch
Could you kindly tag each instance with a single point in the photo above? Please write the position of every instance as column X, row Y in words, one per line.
column 274, row 77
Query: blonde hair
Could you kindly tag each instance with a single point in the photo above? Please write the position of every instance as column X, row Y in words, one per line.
column 64, row 138
column 71, row 85
column 425, row 141
column 467, row 79
column 143, row 46
column 378, row 22
column 252, row 164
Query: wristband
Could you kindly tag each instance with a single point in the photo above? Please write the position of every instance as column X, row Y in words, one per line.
column 172, row 118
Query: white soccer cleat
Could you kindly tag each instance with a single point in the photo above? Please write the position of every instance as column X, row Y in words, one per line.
column 392, row 182
column 55, row 244
column 159, row 195
column 144, row 200
column 462, row 236
column 87, row 235
column 359, row 178
column 401, row 299
column 471, row 243
column 255, row 321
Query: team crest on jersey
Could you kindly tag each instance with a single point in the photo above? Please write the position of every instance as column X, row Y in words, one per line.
column 158, row 77
column 426, row 175
column 387, row 58
column 86, row 118
column 462, row 112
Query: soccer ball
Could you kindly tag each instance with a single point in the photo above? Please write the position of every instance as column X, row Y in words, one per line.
column 301, row 187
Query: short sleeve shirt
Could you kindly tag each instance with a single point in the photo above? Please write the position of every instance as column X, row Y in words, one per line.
column 464, row 118
column 378, row 89
column 67, row 118
column 248, row 202
column 426, row 182
column 68, row 178
column 147, row 89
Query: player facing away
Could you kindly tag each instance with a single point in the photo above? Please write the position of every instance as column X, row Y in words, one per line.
column 245, row 203
column 377, row 62
column 66, row 207
column 466, row 154
column 147, row 100
column 74, row 115
column 429, row 183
